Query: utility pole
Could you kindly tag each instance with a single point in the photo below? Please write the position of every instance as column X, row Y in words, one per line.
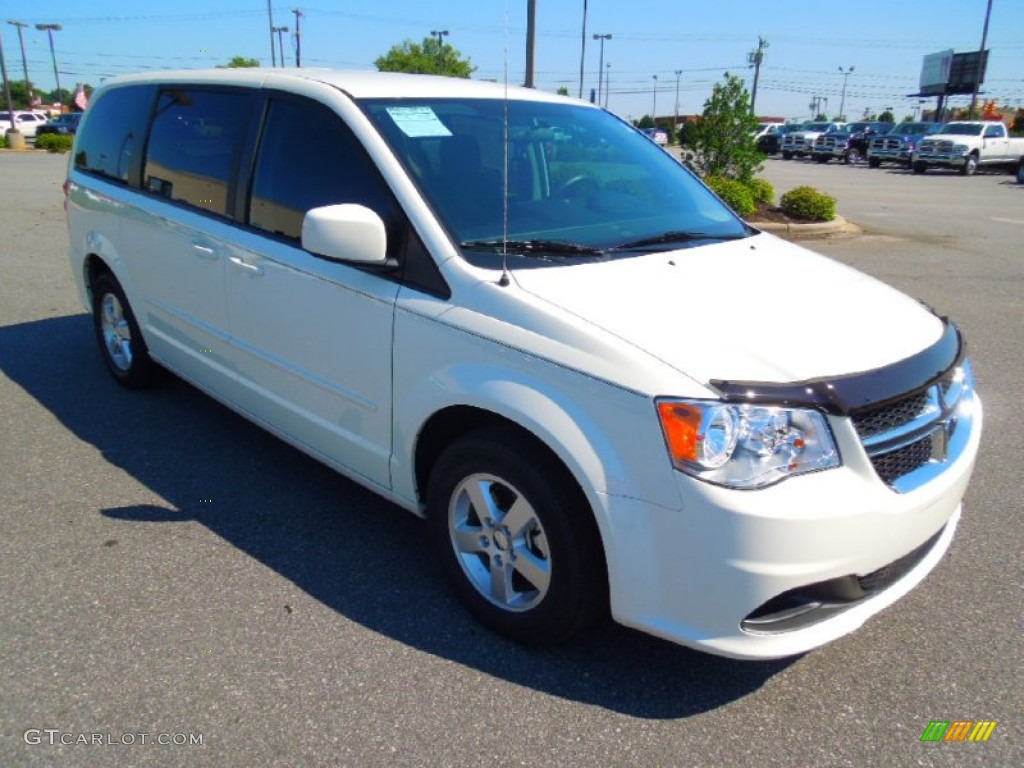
column 654, row 101
column 754, row 58
column 270, row 18
column 50, row 29
column 675, row 114
column 583, row 46
column 280, row 41
column 600, row 66
column 981, row 61
column 24, row 63
column 531, row 38
column 607, row 82
column 842, row 102
column 298, row 37
column 440, row 34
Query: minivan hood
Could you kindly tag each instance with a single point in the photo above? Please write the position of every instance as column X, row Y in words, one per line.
column 758, row 309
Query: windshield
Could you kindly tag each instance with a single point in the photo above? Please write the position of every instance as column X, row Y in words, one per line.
column 914, row 128
column 961, row 129
column 579, row 180
column 818, row 126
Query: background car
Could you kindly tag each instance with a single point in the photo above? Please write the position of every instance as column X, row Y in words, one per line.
column 26, row 122
column 770, row 141
column 657, row 135
column 65, row 124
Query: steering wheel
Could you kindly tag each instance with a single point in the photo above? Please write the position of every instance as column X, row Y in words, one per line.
column 582, row 185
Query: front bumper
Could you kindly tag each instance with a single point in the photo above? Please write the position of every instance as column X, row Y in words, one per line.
column 940, row 159
column 695, row 574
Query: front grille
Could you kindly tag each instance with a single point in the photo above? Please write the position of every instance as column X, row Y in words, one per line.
column 885, row 418
column 911, row 432
column 895, row 464
column 937, row 146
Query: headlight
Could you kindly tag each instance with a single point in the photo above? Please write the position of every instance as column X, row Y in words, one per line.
column 745, row 446
column 960, row 149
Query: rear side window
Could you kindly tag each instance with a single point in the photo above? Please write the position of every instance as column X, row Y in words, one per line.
column 115, row 129
column 194, row 145
column 308, row 158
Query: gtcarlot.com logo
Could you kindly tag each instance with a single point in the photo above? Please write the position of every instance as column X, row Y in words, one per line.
column 55, row 736
column 958, row 730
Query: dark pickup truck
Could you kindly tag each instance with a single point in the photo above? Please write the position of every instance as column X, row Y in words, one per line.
column 850, row 144
column 899, row 145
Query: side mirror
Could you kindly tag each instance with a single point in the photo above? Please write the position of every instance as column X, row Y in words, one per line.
column 345, row 232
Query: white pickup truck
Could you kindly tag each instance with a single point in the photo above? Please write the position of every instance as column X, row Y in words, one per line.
column 968, row 145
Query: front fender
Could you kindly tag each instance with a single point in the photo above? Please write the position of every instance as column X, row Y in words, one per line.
column 608, row 437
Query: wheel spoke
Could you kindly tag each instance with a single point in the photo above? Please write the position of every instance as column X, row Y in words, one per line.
column 519, row 516
column 501, row 580
column 467, row 539
column 480, row 497
column 532, row 568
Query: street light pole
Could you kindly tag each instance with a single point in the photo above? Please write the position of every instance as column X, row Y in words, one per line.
column 607, row 82
column 280, row 41
column 600, row 66
column 50, row 29
column 842, row 102
column 440, row 34
column 24, row 63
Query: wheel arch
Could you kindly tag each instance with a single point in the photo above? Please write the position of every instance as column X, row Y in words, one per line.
column 448, row 425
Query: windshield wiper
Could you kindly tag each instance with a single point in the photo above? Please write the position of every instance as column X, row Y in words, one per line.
column 678, row 236
column 536, row 247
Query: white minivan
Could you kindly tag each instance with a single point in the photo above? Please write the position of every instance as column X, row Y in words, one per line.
column 511, row 313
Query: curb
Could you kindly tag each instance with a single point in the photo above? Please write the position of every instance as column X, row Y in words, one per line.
column 838, row 226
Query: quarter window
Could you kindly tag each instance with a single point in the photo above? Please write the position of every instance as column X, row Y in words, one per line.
column 194, row 144
column 111, row 143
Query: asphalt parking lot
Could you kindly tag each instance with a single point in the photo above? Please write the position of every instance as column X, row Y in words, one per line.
column 170, row 570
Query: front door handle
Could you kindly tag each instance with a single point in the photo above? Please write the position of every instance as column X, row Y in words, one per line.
column 203, row 250
column 253, row 269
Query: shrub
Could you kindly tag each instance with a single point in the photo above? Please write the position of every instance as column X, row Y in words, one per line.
column 3, row 141
column 809, row 204
column 734, row 193
column 54, row 142
column 762, row 191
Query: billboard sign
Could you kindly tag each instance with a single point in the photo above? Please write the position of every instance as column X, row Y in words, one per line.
column 935, row 72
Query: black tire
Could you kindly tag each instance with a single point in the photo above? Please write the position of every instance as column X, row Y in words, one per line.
column 821, row 158
column 787, row 155
column 920, row 167
column 1020, row 172
column 117, row 333
column 538, row 579
column 852, row 157
column 970, row 166
column 874, row 162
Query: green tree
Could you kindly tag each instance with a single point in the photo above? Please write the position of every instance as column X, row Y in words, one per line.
column 887, row 117
column 427, row 58
column 644, row 122
column 562, row 91
column 19, row 93
column 723, row 139
column 239, row 62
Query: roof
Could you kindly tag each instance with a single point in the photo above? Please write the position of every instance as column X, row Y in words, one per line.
column 357, row 83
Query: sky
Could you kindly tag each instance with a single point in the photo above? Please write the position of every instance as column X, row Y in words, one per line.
column 883, row 41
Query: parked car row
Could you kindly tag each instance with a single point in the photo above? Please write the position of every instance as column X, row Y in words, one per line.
column 965, row 146
column 32, row 124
